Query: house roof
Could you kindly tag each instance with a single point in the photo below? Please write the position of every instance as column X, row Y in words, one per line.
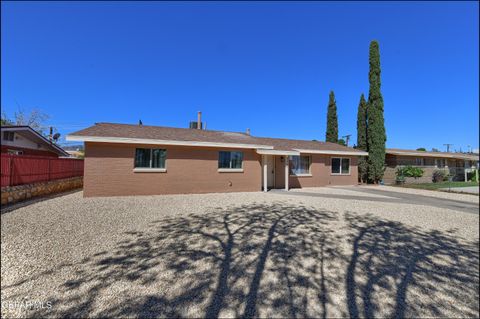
column 144, row 134
column 29, row 133
column 403, row 152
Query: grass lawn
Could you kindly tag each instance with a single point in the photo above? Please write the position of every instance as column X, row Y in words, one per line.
column 435, row 186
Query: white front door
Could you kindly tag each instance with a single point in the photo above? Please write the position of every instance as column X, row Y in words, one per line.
column 270, row 171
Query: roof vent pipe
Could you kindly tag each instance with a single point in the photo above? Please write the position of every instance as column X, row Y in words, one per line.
column 199, row 120
column 248, row 131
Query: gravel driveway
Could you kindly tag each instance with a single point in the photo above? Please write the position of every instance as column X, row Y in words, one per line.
column 325, row 252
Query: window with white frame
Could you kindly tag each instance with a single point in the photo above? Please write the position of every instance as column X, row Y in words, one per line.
column 230, row 160
column 299, row 164
column 340, row 166
column 150, row 158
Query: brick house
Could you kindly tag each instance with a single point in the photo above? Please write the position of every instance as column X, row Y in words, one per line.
column 123, row 159
column 455, row 163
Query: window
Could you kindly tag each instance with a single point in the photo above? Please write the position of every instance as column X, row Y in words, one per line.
column 299, row 165
column 150, row 158
column 440, row 163
column 230, row 160
column 15, row 152
column 8, row 136
column 340, row 166
column 419, row 161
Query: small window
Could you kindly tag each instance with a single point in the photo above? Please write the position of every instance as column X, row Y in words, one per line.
column 15, row 152
column 230, row 160
column 419, row 161
column 150, row 158
column 299, row 165
column 340, row 166
column 8, row 136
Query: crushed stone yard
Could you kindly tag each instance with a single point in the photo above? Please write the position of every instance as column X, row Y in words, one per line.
column 323, row 252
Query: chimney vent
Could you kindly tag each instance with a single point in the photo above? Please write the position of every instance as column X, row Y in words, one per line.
column 248, row 131
column 199, row 120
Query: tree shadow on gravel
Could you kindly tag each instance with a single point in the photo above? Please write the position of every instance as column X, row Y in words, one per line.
column 399, row 271
column 274, row 261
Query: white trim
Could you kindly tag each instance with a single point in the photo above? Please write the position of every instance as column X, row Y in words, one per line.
column 230, row 170
column 359, row 153
column 128, row 140
column 341, row 160
column 265, row 183
column 301, row 175
column 277, row 152
column 149, row 170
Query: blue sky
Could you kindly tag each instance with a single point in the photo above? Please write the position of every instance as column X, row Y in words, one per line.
column 261, row 65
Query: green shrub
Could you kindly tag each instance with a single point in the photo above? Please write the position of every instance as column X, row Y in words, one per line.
column 471, row 176
column 439, row 175
column 409, row 171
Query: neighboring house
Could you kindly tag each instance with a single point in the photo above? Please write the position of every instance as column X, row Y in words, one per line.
column 455, row 163
column 23, row 140
column 125, row 159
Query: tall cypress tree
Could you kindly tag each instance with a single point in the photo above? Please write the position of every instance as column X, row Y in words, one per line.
column 362, row 138
column 332, row 121
column 376, row 136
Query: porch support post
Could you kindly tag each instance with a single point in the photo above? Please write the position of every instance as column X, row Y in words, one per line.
column 265, row 187
column 286, row 172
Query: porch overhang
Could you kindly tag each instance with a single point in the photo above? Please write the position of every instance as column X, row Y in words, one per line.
column 277, row 152
column 349, row 153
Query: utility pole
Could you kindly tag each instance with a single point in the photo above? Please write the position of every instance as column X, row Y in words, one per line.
column 448, row 147
column 347, row 138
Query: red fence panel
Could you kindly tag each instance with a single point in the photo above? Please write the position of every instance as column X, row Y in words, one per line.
column 21, row 169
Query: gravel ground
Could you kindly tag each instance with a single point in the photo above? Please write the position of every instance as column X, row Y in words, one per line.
column 241, row 254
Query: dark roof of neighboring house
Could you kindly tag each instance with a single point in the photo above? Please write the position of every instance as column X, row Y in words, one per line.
column 124, row 132
column 403, row 152
column 29, row 133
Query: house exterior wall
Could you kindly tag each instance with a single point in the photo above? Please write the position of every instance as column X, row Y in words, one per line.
column 109, row 171
column 27, row 151
column 320, row 169
column 392, row 162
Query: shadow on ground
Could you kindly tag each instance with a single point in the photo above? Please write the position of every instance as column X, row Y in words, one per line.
column 275, row 261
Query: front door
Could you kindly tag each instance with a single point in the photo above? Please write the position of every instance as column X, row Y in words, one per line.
column 270, row 171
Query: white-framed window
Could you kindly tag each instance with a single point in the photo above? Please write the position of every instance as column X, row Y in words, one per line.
column 150, row 158
column 299, row 164
column 8, row 136
column 230, row 160
column 340, row 166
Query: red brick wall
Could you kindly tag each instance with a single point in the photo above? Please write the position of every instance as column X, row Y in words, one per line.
column 320, row 170
column 109, row 172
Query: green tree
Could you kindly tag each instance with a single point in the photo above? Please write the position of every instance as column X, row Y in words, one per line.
column 422, row 149
column 362, row 138
column 342, row 142
column 376, row 135
column 332, row 121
